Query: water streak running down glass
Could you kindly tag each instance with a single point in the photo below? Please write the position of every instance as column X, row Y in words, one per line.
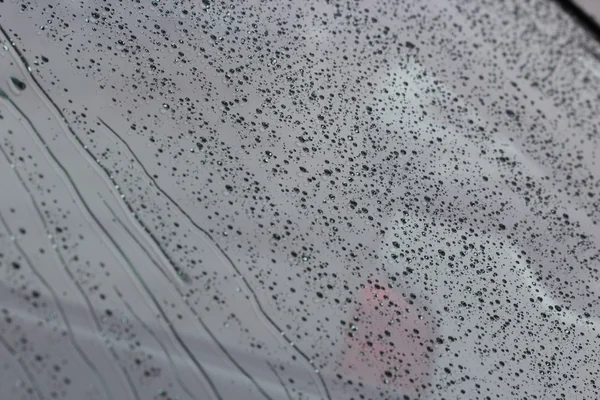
column 298, row 200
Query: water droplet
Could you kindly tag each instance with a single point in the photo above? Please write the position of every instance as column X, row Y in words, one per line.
column 17, row 85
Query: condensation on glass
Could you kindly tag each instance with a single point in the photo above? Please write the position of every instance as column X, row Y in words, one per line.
column 298, row 200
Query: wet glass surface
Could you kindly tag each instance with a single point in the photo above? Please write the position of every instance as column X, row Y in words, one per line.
column 298, row 200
